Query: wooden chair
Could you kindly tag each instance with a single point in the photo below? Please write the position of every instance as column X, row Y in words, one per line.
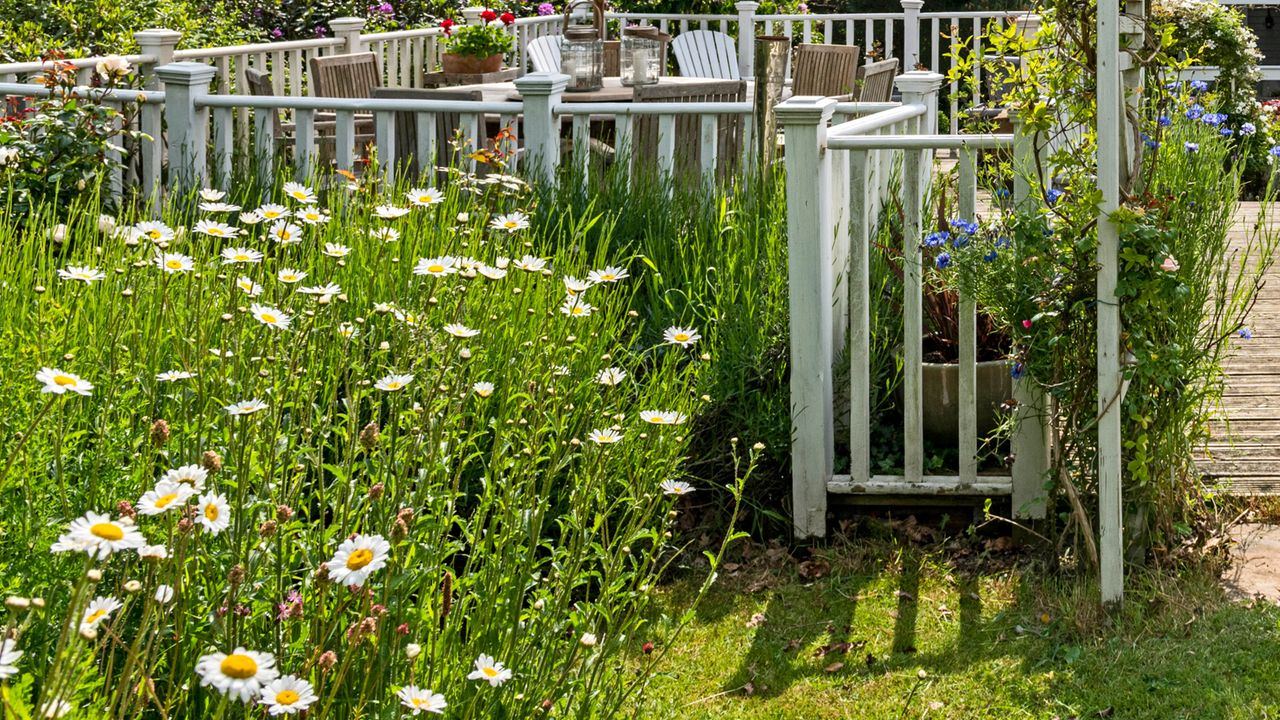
column 688, row 128
column 825, row 70
column 447, row 125
column 706, row 53
column 345, row 76
column 259, row 84
column 876, row 80
column 544, row 53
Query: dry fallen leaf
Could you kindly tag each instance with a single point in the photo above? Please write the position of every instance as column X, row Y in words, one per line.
column 756, row 620
column 834, row 667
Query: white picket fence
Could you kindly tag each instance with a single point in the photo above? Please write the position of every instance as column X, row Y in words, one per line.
column 835, row 190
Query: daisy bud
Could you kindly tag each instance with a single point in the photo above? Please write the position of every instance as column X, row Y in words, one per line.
column 159, row 433
column 384, row 345
column 267, row 529
column 124, row 508
column 37, row 602
column 539, row 604
column 587, row 640
column 758, row 446
column 94, row 575
column 39, row 289
column 412, row 650
column 127, row 292
column 132, row 586
column 68, row 357
column 706, row 356
column 706, row 398
column 284, row 513
column 88, row 633
column 211, row 461
column 465, row 353
column 369, row 435
column 13, row 602
column 327, row 660
column 226, row 317
column 236, row 575
column 375, row 491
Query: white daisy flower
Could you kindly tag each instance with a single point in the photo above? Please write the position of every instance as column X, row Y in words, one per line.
column 436, row 267
column 250, row 288
column 290, row 275
column 251, row 218
column 386, row 235
column 357, row 558
column 493, row 273
column 393, row 382
column 328, row 290
column 662, row 417
column 272, row 212
column 407, row 318
column 336, row 250
column 54, row 708
column 285, row 232
column 611, row 376
column 348, row 330
column 483, row 389
column 466, row 262
column 153, row 552
column 192, row 476
column 99, row 536
column 58, row 382
column 245, row 407
column 604, row 437
column 608, row 275
column 215, row 513
column 573, row 285
column 166, row 496
column 219, row 207
column 588, row 640
column 174, row 263
column 575, row 306
column 494, row 673
column 240, row 674
column 531, row 263
column 98, row 612
column 84, row 274
column 215, row 229
column 155, row 231
column 211, row 194
column 299, row 192
column 390, row 212
column 269, row 316
column 419, row 700
column 684, row 337
column 676, row 487
column 424, row 198
column 164, row 594
column 511, row 222
column 288, row 695
column 312, row 216
column 459, row 330
column 231, row 256
column 9, row 657
column 174, row 375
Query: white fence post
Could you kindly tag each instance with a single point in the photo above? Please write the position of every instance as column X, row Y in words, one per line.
column 348, row 29
column 746, row 37
column 184, row 84
column 160, row 44
column 809, row 237
column 541, row 93
column 911, row 33
column 471, row 15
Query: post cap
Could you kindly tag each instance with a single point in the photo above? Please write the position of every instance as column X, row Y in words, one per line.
column 805, row 110
column 542, row 83
column 185, row 73
column 346, row 24
column 918, row 82
column 912, row 4
column 744, row 6
column 157, row 36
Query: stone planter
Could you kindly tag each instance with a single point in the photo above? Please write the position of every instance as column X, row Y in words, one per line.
column 471, row 65
column 941, row 390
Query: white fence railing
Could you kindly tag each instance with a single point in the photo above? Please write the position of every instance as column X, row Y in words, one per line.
column 835, row 191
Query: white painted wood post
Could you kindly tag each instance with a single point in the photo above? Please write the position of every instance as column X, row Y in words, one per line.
column 541, row 93
column 809, row 235
column 348, row 29
column 1110, row 157
column 471, row 16
column 911, row 33
column 184, row 84
column 159, row 43
column 746, row 37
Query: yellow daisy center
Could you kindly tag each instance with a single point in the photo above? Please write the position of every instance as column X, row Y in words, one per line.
column 288, row 278
column 63, row 380
column 94, row 617
column 238, row 666
column 489, row 672
column 359, row 559
column 214, row 231
column 435, row 268
column 268, row 318
column 242, row 257
column 682, row 337
column 173, row 264
column 271, row 214
column 286, row 697
column 153, row 234
column 164, row 500
column 608, row 277
column 107, row 531
column 211, row 512
column 510, row 224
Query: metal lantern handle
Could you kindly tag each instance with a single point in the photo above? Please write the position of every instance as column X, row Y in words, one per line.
column 597, row 9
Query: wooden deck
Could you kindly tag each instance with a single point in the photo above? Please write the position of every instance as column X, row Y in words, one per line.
column 1245, row 451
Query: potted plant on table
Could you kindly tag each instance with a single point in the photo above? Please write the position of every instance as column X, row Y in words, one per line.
column 474, row 49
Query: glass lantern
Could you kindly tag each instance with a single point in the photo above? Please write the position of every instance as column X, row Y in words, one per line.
column 582, row 59
column 641, row 61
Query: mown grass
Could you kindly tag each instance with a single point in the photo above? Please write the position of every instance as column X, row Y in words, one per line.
column 931, row 639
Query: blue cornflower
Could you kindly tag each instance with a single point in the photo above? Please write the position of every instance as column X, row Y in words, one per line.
column 1246, row 333
column 1194, row 112
column 1275, row 151
column 960, row 241
column 937, row 239
column 1003, row 192
column 968, row 227
column 1172, row 85
column 1213, row 118
column 943, row 261
column 1199, row 85
column 1191, row 147
column 1003, row 242
column 1164, row 121
column 1248, row 129
column 1226, row 132
column 990, row 256
column 1053, row 195
column 1016, row 371
column 1151, row 144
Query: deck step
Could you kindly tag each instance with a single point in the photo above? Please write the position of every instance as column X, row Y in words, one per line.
column 986, row 485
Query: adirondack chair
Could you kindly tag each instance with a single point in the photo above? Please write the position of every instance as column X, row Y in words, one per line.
column 688, row 128
column 544, row 53
column 706, row 53
column 447, row 125
column 876, row 80
column 825, row 70
column 345, row 76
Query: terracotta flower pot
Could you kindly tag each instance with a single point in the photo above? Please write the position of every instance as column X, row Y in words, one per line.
column 471, row 65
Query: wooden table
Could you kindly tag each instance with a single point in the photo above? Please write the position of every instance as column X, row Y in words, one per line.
column 613, row 90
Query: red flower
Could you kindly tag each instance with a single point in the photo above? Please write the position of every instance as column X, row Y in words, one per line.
column 488, row 16
column 447, row 26
column 507, row 18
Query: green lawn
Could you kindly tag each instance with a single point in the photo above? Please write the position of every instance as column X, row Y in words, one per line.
column 930, row 637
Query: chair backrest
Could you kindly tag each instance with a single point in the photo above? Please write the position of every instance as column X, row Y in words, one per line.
column 544, row 53
column 825, row 70
column 259, row 83
column 345, row 76
column 688, row 128
column 877, row 80
column 447, row 124
column 706, row 53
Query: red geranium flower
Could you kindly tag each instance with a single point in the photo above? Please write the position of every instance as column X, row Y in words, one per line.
column 447, row 26
column 488, row 16
column 507, row 18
